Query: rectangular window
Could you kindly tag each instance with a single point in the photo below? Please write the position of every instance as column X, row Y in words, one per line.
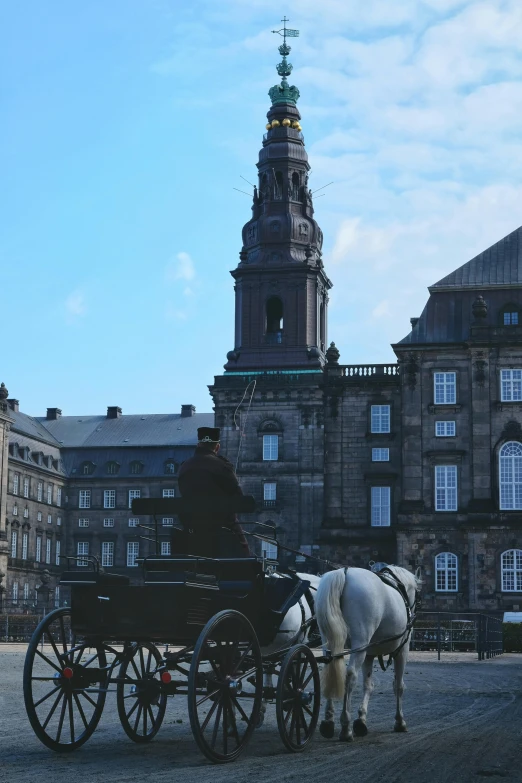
column 26, row 487
column 49, row 494
column 39, row 491
column 57, row 596
column 445, row 388
column 510, row 319
column 445, row 488
column 14, row 543
column 25, row 542
column 380, row 455
column 16, row 483
column 26, row 512
column 380, row 506
column 270, row 447
column 167, row 521
column 133, row 550
column 107, row 553
column 109, row 498
column 269, row 550
column 85, row 498
column 270, row 491
column 108, row 522
column 58, row 521
column 15, row 592
column 380, row 416
column 169, row 493
column 38, row 554
column 49, row 519
column 26, row 591
column 165, row 547
column 511, row 385
column 57, row 552
column 133, row 493
column 82, row 549
column 134, row 522
column 48, row 550
column 15, row 510
column 83, row 522
column 445, row 429
column 59, row 496
column 39, row 516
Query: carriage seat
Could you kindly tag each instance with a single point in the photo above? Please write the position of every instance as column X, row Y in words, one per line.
column 93, row 578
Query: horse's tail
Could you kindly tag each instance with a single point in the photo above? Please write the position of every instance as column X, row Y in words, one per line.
column 333, row 630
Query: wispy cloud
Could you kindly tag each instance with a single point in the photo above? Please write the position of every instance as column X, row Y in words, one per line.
column 75, row 305
column 180, row 268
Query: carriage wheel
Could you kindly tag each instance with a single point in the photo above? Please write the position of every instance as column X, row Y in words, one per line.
column 225, row 686
column 298, row 698
column 141, row 701
column 64, row 684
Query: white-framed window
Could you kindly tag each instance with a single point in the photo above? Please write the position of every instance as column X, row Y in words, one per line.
column 16, row 483
column 107, row 553
column 270, row 447
column 49, row 494
column 269, row 550
column 133, row 551
column 57, row 550
column 511, row 569
column 445, row 429
column 26, row 591
column 380, row 455
column 25, row 544
column 167, row 521
column 15, row 510
column 511, row 385
column 48, row 550
column 165, row 548
column 85, row 498
column 14, row 543
column 15, row 592
column 59, row 496
column 26, row 487
column 446, row 572
column 134, row 522
column 82, row 548
column 445, row 388
column 445, row 487
column 511, row 319
column 270, row 491
column 170, row 466
column 108, row 522
column 58, row 521
column 380, row 500
column 380, row 418
column 83, row 522
column 26, row 513
column 510, row 476
column 39, row 516
column 109, row 498
column 38, row 553
column 39, row 491
column 49, row 519
column 169, row 493
column 133, row 493
column 57, row 596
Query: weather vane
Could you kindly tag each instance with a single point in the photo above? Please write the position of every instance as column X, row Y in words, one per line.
column 286, row 32
column 283, row 93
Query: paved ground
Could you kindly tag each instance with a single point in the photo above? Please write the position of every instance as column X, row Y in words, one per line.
column 464, row 719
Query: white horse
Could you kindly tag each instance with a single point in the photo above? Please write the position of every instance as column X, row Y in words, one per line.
column 355, row 609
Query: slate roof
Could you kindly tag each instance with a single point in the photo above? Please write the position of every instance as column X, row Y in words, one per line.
column 157, row 429
column 152, row 457
column 32, row 427
column 499, row 265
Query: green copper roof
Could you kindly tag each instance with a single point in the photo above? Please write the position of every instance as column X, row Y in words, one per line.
column 284, row 93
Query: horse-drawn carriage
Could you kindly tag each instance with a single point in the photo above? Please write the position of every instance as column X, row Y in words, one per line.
column 211, row 630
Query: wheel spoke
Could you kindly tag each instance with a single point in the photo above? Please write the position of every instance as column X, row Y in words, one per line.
column 233, row 723
column 138, row 718
column 64, row 640
column 290, row 713
column 80, row 710
column 53, row 708
column 134, row 666
column 86, row 696
column 37, row 703
column 148, row 661
column 71, row 716
column 308, row 710
column 243, row 656
column 225, row 727
column 142, row 662
column 53, row 644
column 305, row 683
column 209, row 715
column 48, row 661
column 216, row 725
column 62, row 717
column 151, row 716
column 305, row 725
column 136, row 704
column 144, row 722
column 241, row 710
column 208, row 696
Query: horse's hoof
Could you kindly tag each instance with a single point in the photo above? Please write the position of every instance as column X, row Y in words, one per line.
column 327, row 729
column 400, row 727
column 345, row 735
column 360, row 729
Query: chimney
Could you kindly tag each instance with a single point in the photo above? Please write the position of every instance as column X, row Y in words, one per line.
column 414, row 322
column 13, row 404
column 113, row 412
column 53, row 414
column 188, row 410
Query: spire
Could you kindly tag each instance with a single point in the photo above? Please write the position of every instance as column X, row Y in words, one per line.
column 283, row 93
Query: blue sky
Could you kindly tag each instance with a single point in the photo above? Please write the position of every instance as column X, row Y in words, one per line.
column 127, row 124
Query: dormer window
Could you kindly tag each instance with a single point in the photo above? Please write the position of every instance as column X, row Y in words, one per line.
column 171, row 467
column 112, row 468
column 87, row 468
column 136, row 467
column 510, row 315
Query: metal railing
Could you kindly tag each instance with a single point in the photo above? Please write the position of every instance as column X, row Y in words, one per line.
column 468, row 632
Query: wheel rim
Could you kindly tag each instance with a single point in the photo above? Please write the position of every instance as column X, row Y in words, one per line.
column 64, row 684
column 225, row 686
column 141, row 699
column 298, row 698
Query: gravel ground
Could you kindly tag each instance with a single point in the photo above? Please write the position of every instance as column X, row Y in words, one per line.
column 464, row 719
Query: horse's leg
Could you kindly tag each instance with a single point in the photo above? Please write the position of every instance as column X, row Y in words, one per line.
column 360, row 729
column 352, row 671
column 327, row 727
column 399, row 664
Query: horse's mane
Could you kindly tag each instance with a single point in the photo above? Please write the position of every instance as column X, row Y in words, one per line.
column 404, row 574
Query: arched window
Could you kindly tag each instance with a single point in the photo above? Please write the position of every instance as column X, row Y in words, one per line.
column 510, row 476
column 274, row 320
column 136, row 467
column 112, row 468
column 295, row 186
column 511, row 569
column 446, row 576
column 87, row 468
column 278, row 185
column 510, row 315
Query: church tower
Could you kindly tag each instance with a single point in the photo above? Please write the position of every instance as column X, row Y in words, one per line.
column 281, row 287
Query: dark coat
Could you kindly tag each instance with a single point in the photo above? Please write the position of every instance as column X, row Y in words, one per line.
column 207, row 474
